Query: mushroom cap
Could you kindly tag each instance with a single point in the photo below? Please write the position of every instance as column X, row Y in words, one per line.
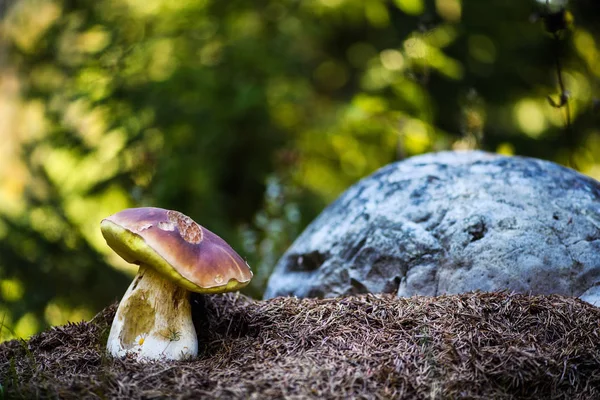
column 176, row 246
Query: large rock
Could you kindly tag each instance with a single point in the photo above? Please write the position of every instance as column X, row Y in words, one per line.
column 452, row 222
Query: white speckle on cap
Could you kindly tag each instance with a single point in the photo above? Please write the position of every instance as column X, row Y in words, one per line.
column 219, row 278
column 166, row 225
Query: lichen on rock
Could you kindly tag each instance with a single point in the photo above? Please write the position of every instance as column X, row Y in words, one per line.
column 452, row 222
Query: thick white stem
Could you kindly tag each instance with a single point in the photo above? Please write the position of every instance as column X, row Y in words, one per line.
column 153, row 321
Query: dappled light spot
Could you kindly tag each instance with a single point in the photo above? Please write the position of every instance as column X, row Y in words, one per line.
column 318, row 176
column 86, row 211
column 506, row 149
column 411, row 7
column 591, row 148
column 416, row 137
column 59, row 165
column 96, row 82
column 29, row 20
column 377, row 13
column 11, row 290
column 415, row 47
column 412, row 93
column 450, row 10
column 370, row 104
column 164, row 60
column 392, row 59
column 586, row 46
column 54, row 314
column 34, row 120
column 87, row 121
column 352, row 159
column 441, row 36
column 448, row 67
column 79, row 314
column 580, row 89
column 27, row 325
column 93, row 40
column 584, row 159
column 530, row 117
column 425, row 51
column 157, row 8
column 377, row 77
column 594, row 171
column 587, row 157
column 58, row 312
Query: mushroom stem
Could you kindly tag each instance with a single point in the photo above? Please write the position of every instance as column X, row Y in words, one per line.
column 153, row 321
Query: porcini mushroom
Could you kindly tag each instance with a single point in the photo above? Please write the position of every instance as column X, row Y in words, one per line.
column 175, row 255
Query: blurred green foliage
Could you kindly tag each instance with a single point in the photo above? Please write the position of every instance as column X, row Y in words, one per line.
column 251, row 116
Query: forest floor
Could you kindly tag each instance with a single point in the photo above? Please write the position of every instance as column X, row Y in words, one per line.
column 475, row 345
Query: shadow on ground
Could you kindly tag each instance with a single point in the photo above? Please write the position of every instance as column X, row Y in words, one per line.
column 476, row 345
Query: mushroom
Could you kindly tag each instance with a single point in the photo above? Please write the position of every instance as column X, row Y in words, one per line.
column 175, row 255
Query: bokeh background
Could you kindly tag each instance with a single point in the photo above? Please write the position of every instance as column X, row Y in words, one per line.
column 251, row 116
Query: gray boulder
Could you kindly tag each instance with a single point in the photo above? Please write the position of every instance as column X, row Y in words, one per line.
column 452, row 222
